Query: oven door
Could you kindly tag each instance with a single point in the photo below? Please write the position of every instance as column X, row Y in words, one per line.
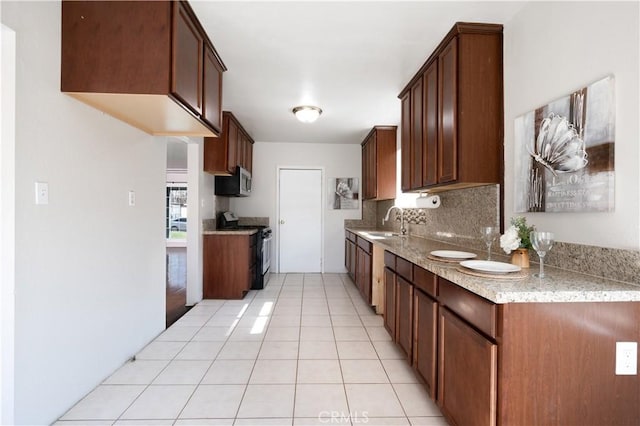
column 266, row 254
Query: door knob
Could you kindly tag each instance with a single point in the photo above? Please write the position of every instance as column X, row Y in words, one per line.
column 281, row 221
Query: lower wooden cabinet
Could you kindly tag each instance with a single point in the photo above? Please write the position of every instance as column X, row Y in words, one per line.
column 364, row 251
column 404, row 316
column 512, row 364
column 229, row 265
column 425, row 333
column 467, row 373
column 390, row 302
column 350, row 254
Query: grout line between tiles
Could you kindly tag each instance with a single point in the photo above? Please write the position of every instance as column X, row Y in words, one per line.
column 288, row 285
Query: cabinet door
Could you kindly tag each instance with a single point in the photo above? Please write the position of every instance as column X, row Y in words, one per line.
column 187, row 58
column 448, row 142
column 350, row 258
column 467, row 373
column 354, row 260
column 212, row 90
column 369, row 168
column 425, row 331
column 416, row 134
column 240, row 155
column 430, row 135
column 232, row 146
column 390, row 302
column 248, row 156
column 228, row 262
column 363, row 274
column 404, row 306
column 359, row 269
column 405, row 143
column 366, row 190
column 347, row 261
column 373, row 165
column 366, row 277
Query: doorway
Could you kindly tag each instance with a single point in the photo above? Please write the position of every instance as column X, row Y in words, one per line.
column 176, row 255
column 176, row 220
column 300, row 223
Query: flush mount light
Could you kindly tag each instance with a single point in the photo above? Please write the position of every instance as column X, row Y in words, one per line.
column 306, row 113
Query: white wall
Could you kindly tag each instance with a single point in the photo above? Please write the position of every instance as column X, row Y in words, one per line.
column 336, row 159
column 552, row 49
column 89, row 269
column 7, row 223
column 201, row 206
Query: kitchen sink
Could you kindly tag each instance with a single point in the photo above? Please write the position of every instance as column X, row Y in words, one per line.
column 380, row 235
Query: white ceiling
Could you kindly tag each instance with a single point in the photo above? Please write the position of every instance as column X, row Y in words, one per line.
column 349, row 58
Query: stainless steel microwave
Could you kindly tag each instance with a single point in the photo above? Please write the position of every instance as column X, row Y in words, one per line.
column 236, row 185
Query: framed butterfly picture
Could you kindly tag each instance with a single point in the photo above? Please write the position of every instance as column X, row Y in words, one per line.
column 565, row 153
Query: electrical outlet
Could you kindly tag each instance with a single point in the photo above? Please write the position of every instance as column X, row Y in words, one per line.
column 42, row 193
column 626, row 358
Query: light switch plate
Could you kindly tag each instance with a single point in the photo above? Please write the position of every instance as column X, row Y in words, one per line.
column 626, row 358
column 132, row 198
column 42, row 193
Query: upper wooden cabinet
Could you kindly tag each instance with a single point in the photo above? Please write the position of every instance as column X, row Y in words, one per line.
column 452, row 113
column 233, row 148
column 188, row 58
column 148, row 63
column 379, row 163
column 212, row 91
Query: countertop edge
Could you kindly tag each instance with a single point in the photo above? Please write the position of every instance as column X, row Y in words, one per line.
column 231, row 232
column 563, row 286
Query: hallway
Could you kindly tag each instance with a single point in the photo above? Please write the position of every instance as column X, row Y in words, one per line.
column 176, row 284
column 306, row 350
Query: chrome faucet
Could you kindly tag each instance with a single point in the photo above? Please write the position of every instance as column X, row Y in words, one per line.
column 403, row 230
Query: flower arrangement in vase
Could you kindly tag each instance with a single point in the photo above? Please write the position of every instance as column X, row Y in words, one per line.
column 516, row 239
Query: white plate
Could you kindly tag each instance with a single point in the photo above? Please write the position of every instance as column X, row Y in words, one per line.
column 490, row 266
column 452, row 254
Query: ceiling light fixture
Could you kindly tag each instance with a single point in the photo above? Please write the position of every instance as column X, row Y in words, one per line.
column 306, row 113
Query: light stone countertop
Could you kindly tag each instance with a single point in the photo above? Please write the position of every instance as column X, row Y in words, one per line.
column 230, row 232
column 559, row 286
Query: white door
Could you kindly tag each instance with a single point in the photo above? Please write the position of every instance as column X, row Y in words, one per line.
column 300, row 222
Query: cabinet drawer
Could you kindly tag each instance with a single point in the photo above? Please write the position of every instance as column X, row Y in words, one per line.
column 404, row 268
column 365, row 245
column 479, row 312
column 390, row 260
column 425, row 281
column 350, row 236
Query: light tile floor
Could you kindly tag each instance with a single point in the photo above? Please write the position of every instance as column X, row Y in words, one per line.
column 306, row 350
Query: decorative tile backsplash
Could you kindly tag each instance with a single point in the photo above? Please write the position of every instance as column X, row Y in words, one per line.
column 458, row 219
column 462, row 213
column 253, row 221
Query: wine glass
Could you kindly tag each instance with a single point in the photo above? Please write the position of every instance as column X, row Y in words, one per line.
column 489, row 233
column 542, row 243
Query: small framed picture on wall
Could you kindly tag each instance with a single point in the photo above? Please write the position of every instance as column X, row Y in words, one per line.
column 344, row 193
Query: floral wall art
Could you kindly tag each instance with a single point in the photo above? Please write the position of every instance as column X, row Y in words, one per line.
column 565, row 153
column 344, row 193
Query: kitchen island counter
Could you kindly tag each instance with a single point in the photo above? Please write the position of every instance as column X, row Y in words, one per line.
column 559, row 285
